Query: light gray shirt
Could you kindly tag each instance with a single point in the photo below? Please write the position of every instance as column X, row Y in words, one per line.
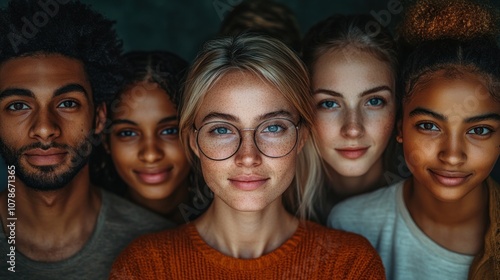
column 118, row 223
column 407, row 253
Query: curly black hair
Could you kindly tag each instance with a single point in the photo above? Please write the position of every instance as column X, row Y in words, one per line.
column 68, row 28
column 449, row 37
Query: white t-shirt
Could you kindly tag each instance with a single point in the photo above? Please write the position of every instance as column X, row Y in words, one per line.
column 407, row 253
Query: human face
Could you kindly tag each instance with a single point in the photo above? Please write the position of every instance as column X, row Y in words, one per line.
column 248, row 180
column 355, row 102
column 47, row 118
column 144, row 142
column 450, row 134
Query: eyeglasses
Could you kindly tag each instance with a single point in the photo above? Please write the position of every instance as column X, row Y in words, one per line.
column 274, row 138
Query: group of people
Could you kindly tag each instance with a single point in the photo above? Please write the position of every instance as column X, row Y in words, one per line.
column 348, row 154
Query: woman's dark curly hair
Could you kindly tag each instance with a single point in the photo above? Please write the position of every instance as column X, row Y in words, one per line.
column 450, row 38
column 68, row 28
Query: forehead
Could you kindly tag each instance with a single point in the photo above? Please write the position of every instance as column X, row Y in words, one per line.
column 42, row 73
column 144, row 100
column 346, row 65
column 244, row 95
column 465, row 95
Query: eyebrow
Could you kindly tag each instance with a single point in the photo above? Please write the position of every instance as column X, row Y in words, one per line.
column 28, row 93
column 419, row 111
column 16, row 92
column 215, row 115
column 122, row 121
column 125, row 121
column 275, row 114
column 426, row 112
column 70, row 88
column 375, row 89
column 366, row 92
column 485, row 117
column 228, row 117
column 167, row 119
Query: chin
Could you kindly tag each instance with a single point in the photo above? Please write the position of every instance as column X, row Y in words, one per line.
column 152, row 194
column 354, row 170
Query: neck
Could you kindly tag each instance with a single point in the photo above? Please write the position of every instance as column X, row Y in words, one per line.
column 168, row 206
column 347, row 186
column 246, row 234
column 53, row 225
column 458, row 225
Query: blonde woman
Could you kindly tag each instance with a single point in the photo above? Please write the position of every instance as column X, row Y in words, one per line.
column 246, row 119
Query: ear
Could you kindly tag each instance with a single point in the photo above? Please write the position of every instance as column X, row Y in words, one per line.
column 192, row 143
column 100, row 118
column 302, row 140
column 399, row 136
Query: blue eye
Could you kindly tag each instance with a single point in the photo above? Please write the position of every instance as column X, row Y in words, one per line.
column 170, row 131
column 428, row 126
column 221, row 130
column 68, row 104
column 126, row 133
column 481, row 131
column 273, row 128
column 376, row 102
column 18, row 106
column 329, row 104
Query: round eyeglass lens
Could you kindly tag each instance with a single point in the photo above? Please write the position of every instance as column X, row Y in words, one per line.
column 273, row 138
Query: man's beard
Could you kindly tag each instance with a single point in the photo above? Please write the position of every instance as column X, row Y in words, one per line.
column 45, row 177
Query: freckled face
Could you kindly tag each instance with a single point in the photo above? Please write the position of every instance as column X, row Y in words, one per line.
column 355, row 103
column 47, row 119
column 144, row 142
column 248, row 180
column 451, row 137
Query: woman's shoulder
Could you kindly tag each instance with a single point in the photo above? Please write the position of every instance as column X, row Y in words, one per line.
column 161, row 240
column 338, row 239
column 368, row 204
column 345, row 252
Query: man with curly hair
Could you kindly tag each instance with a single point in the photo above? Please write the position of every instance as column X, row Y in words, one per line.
column 59, row 64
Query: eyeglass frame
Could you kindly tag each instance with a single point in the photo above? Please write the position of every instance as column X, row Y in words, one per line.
column 296, row 126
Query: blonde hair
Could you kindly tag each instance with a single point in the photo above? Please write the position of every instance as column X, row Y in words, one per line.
column 276, row 64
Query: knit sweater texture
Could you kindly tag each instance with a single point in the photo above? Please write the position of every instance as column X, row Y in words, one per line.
column 313, row 252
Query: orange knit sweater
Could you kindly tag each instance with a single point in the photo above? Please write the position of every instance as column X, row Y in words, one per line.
column 313, row 252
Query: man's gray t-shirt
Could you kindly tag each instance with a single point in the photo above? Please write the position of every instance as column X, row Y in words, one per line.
column 406, row 251
column 119, row 222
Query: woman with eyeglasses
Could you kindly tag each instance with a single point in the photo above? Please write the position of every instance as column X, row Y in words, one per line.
column 246, row 120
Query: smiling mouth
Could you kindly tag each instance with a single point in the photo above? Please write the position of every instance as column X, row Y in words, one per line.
column 248, row 183
column 50, row 157
column 450, row 178
column 153, row 177
column 352, row 153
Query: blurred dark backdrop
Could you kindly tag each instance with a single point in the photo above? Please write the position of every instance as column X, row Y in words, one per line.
column 182, row 26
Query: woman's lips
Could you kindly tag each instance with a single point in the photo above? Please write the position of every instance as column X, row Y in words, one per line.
column 248, row 183
column 153, row 177
column 450, row 178
column 352, row 152
column 39, row 157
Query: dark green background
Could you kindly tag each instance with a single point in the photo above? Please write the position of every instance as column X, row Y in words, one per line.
column 182, row 26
